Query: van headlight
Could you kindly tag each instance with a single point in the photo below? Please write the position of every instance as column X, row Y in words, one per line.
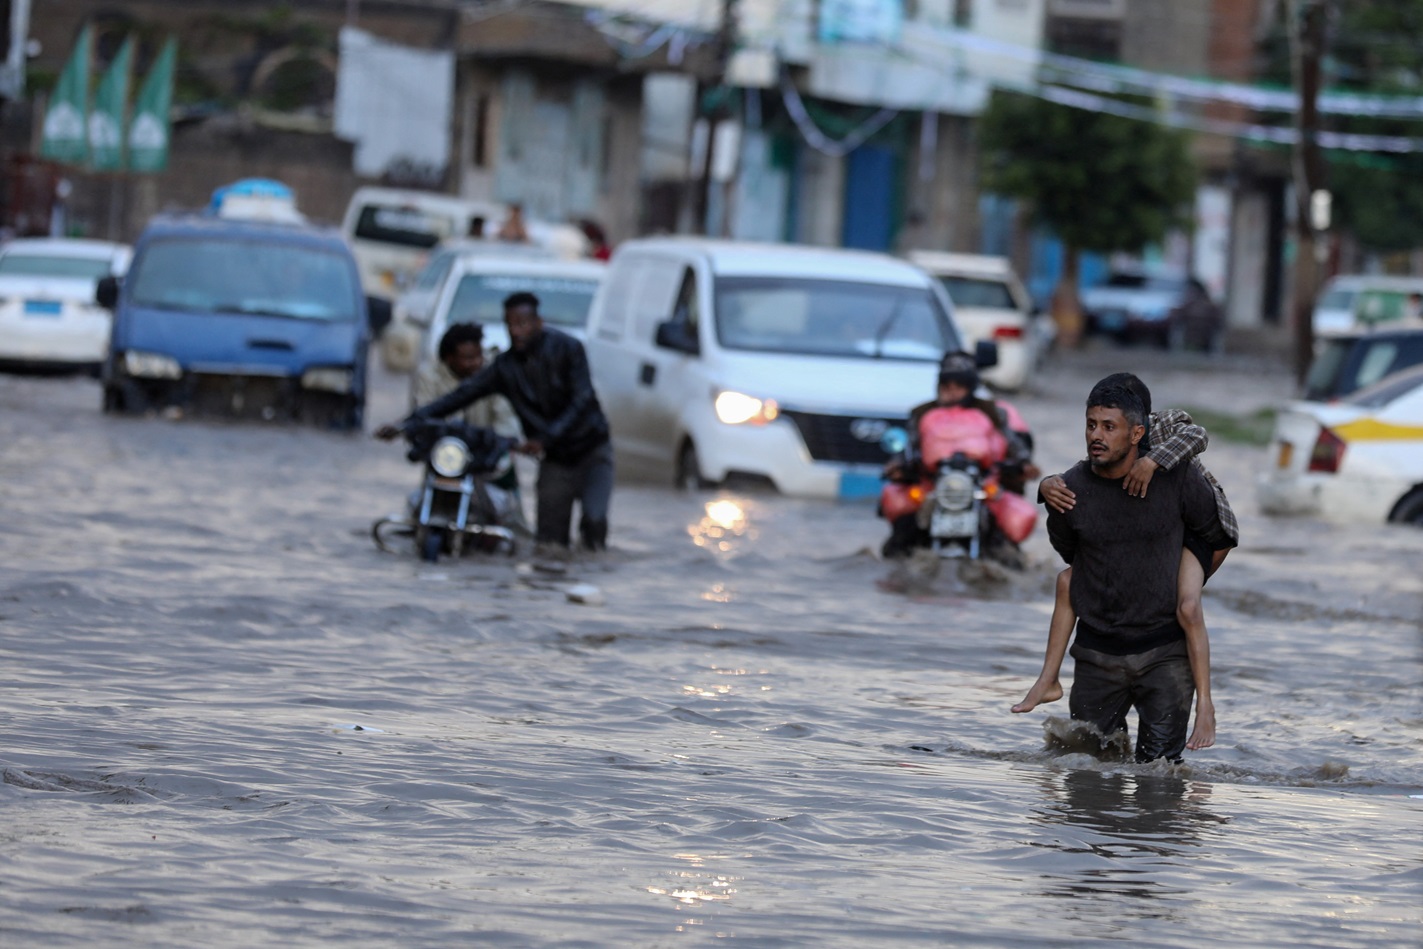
column 143, row 365
column 736, row 408
column 328, row 380
column 450, row 457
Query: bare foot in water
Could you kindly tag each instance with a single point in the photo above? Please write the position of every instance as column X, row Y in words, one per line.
column 1042, row 693
column 1203, row 735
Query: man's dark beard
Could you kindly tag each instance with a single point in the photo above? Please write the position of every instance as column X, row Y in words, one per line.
column 1107, row 461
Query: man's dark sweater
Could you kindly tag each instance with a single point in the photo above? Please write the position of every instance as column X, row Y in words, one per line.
column 1125, row 554
column 551, row 390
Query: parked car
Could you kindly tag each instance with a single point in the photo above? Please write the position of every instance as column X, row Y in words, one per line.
column 1346, row 362
column 1360, row 301
column 48, row 317
column 475, row 290
column 1359, row 459
column 1135, row 305
column 782, row 363
column 990, row 303
column 412, row 312
column 392, row 231
column 252, row 319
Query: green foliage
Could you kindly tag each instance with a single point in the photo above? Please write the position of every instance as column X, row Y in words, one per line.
column 1372, row 48
column 1375, row 49
column 1256, row 428
column 1100, row 182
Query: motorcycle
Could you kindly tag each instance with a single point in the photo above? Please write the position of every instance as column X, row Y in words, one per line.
column 957, row 500
column 457, row 506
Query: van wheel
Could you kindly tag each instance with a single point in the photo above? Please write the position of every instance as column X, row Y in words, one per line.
column 1409, row 510
column 689, row 469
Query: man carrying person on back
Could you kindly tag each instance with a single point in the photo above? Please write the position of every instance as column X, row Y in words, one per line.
column 1125, row 552
column 544, row 375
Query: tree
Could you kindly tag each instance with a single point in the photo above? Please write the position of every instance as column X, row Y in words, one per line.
column 1099, row 182
column 1370, row 48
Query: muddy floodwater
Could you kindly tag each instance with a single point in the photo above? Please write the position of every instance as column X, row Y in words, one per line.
column 229, row 721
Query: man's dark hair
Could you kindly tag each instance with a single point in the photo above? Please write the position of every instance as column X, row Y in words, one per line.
column 1136, row 387
column 522, row 298
column 459, row 334
column 1107, row 395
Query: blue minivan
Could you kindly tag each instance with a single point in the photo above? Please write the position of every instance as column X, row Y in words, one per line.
column 239, row 318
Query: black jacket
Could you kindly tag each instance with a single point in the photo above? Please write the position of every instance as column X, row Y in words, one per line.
column 551, row 391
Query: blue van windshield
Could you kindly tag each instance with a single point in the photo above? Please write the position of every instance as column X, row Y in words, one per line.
column 831, row 318
column 226, row 275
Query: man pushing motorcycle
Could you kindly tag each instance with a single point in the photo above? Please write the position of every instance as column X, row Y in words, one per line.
column 957, row 422
column 544, row 375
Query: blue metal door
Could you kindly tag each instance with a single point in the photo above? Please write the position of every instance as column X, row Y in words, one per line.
column 868, row 221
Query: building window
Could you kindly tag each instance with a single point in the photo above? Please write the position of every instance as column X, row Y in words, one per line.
column 963, row 14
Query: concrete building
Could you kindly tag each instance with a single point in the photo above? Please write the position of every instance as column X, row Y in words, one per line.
column 541, row 105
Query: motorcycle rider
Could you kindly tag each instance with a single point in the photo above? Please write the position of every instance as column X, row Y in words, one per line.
column 998, row 444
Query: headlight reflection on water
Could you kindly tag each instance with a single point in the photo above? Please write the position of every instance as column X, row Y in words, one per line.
column 722, row 528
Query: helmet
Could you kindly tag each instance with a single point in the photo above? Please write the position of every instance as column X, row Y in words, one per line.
column 959, row 367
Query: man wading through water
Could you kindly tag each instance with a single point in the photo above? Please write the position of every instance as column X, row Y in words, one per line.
column 1125, row 552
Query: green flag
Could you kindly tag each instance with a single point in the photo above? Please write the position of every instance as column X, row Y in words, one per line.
column 106, row 119
column 148, row 133
column 65, row 135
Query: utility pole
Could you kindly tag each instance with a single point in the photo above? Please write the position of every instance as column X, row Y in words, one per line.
column 724, row 41
column 1308, row 19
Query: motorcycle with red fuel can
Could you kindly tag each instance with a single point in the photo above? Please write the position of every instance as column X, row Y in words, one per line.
column 955, row 482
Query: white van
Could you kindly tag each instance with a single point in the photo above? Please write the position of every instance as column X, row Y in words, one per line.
column 392, row 231
column 788, row 364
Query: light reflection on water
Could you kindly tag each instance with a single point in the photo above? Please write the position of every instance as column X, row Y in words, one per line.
column 725, row 748
column 724, row 527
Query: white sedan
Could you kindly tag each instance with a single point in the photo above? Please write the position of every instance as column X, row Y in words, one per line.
column 990, row 303
column 48, row 316
column 1359, row 459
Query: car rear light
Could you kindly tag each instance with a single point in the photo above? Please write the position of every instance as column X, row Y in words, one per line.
column 1328, row 452
column 1007, row 332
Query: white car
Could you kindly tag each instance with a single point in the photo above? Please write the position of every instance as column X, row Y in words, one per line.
column 990, row 303
column 49, row 318
column 1353, row 302
column 411, row 314
column 1358, row 460
column 476, row 287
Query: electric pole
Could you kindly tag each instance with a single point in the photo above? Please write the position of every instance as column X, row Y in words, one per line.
column 724, row 41
column 1308, row 19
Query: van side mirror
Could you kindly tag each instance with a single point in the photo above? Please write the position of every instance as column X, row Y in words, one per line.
column 985, row 354
column 106, row 292
column 675, row 334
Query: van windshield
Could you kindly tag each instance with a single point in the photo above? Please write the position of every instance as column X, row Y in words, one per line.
column 831, row 318
column 404, row 226
column 215, row 275
column 563, row 301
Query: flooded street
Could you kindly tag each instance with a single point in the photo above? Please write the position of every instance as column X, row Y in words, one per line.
column 231, row 721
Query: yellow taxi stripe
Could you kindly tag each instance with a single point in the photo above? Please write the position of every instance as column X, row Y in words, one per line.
column 1372, row 430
